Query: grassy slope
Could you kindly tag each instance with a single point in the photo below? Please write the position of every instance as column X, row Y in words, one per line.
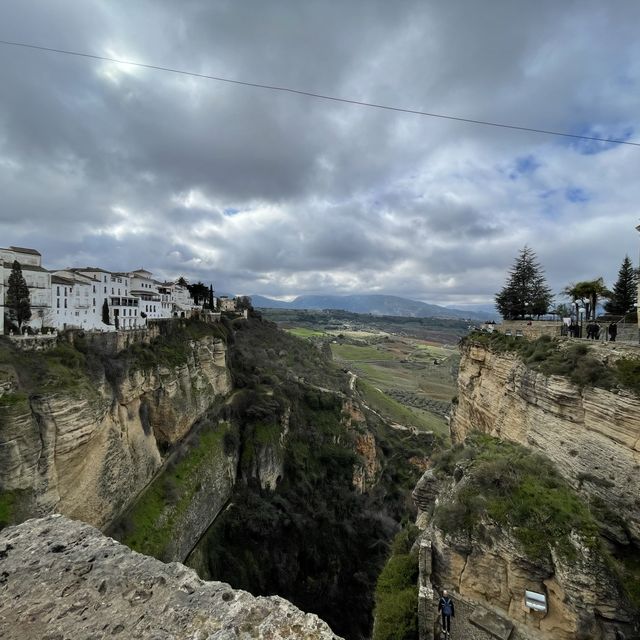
column 149, row 524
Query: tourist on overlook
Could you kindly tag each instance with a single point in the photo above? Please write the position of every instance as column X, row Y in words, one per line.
column 613, row 331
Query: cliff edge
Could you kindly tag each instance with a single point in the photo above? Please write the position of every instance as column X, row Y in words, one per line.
column 592, row 434
column 63, row 579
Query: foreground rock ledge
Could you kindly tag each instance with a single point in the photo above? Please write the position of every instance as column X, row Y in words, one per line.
column 64, row 580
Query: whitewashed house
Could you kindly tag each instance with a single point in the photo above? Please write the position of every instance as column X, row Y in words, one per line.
column 124, row 305
column 37, row 278
column 75, row 301
column 145, row 289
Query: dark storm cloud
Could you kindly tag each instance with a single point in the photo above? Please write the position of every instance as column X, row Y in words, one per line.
column 276, row 193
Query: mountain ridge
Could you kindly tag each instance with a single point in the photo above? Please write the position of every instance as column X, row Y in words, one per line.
column 375, row 304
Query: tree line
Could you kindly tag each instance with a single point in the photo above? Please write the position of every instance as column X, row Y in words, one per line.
column 526, row 293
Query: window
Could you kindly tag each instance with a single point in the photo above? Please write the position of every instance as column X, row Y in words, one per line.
column 58, row 291
column 105, row 289
column 58, row 301
column 111, row 290
column 94, row 302
column 65, row 303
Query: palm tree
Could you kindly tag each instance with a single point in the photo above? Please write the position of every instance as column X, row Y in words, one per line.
column 588, row 292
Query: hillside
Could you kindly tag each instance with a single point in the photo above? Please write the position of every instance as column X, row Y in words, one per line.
column 378, row 305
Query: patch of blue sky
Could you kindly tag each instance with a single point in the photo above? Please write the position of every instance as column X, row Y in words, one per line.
column 591, row 147
column 576, row 194
column 230, row 211
column 522, row 166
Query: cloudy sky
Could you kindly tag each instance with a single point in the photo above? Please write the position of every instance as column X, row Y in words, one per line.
column 280, row 194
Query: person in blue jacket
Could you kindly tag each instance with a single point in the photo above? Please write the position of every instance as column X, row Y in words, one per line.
column 447, row 610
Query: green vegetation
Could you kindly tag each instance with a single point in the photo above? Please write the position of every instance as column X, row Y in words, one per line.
column 396, row 412
column 574, row 361
column 7, row 507
column 627, row 371
column 149, row 525
column 302, row 332
column 314, row 540
column 443, row 331
column 396, row 597
column 18, row 302
column 526, row 290
column 354, row 353
column 625, row 291
column 516, row 489
column 63, row 368
column 172, row 349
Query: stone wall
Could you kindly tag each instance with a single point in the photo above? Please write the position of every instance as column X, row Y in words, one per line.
column 530, row 328
column 64, row 579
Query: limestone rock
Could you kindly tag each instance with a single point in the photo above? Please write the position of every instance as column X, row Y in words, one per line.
column 61, row 579
column 87, row 453
column 592, row 435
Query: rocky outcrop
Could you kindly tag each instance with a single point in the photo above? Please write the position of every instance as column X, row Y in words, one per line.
column 592, row 435
column 64, row 579
column 489, row 567
column 88, row 450
column 366, row 470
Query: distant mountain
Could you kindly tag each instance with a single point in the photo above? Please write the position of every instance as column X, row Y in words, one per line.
column 378, row 305
column 487, row 311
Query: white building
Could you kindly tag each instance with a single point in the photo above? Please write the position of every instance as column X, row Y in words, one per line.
column 38, row 280
column 76, row 301
column 74, row 297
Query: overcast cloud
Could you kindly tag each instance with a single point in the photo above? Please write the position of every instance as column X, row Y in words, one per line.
column 278, row 194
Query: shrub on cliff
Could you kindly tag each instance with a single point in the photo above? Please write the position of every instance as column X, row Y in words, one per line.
column 397, row 592
column 519, row 490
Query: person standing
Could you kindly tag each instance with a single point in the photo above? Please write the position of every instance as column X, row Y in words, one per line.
column 613, row 331
column 447, row 611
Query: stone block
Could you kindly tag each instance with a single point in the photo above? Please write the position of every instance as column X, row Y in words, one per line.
column 489, row 621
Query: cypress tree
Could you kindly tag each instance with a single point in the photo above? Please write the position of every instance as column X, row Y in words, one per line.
column 18, row 300
column 105, row 312
column 625, row 290
column 526, row 291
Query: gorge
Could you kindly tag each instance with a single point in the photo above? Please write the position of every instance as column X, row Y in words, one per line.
column 244, row 452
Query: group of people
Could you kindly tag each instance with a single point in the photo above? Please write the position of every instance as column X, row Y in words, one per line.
column 593, row 330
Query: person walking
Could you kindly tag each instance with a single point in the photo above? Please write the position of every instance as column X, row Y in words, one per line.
column 613, row 331
column 447, row 611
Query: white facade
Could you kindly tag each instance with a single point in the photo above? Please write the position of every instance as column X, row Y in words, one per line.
column 74, row 297
column 76, row 301
column 38, row 280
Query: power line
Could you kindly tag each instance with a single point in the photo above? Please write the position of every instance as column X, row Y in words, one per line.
column 320, row 96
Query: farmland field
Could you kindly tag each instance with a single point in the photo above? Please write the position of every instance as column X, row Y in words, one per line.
column 406, row 368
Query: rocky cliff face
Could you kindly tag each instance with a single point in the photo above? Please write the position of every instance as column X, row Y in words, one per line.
column 64, row 579
column 592, row 435
column 87, row 451
column 490, row 567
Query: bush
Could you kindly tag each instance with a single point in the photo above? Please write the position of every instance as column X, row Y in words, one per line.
column 396, row 594
column 518, row 490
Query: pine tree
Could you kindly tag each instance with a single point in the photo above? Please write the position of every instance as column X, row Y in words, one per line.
column 526, row 291
column 625, row 290
column 18, row 300
column 105, row 312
